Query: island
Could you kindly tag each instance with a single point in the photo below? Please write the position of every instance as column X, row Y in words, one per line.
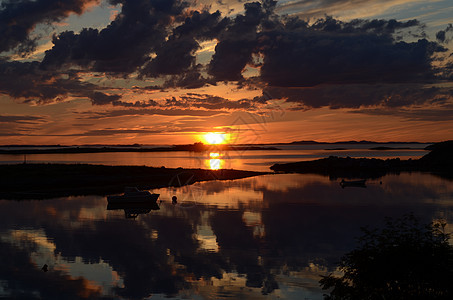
column 39, row 181
column 438, row 161
column 196, row 147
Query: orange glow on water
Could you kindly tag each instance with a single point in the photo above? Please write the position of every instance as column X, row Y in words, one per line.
column 215, row 162
column 214, row 155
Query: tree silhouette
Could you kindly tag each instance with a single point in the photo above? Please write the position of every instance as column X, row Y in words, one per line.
column 404, row 260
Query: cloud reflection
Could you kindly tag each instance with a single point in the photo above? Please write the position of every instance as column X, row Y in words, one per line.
column 244, row 237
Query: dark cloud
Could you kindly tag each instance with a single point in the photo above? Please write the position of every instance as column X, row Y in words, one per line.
column 215, row 102
column 19, row 18
column 323, row 63
column 187, row 101
column 177, row 54
column 22, row 119
column 102, row 99
column 98, row 98
column 147, row 112
column 358, row 95
column 441, row 35
column 236, row 45
column 25, row 80
column 124, row 45
column 191, row 79
column 333, row 52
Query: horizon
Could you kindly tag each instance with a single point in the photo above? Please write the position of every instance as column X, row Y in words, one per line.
column 226, row 144
column 139, row 72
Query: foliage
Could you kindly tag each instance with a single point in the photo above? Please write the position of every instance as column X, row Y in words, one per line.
column 404, row 260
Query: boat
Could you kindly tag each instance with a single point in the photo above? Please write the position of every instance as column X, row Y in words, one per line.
column 133, row 195
column 355, row 183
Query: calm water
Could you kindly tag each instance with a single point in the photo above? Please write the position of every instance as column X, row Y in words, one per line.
column 259, row 160
column 264, row 237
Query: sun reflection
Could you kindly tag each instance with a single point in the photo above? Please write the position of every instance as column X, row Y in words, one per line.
column 215, row 162
column 214, row 155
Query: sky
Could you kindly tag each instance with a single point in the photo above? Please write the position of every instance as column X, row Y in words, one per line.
column 78, row 72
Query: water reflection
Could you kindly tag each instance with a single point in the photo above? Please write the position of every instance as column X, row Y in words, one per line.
column 268, row 235
column 215, row 162
column 133, row 210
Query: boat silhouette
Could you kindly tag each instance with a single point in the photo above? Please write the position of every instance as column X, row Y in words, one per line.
column 353, row 183
column 133, row 195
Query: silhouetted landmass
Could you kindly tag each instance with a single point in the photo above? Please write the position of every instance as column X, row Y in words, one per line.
column 26, row 181
column 439, row 160
column 404, row 260
column 28, row 146
column 390, row 148
column 196, row 147
column 200, row 147
column 346, row 142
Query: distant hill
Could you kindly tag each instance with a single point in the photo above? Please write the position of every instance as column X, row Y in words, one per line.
column 346, row 142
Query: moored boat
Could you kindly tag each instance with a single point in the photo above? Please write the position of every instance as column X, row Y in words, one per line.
column 356, row 183
column 133, row 195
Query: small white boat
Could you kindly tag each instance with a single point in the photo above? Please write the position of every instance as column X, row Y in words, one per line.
column 133, row 195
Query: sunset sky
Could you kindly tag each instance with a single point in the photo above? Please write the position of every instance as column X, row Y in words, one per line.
column 170, row 71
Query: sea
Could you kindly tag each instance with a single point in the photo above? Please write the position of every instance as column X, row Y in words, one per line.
column 251, row 160
column 265, row 237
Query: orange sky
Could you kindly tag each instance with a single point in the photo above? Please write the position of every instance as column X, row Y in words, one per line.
column 246, row 70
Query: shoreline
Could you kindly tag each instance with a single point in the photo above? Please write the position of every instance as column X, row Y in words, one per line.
column 41, row 181
column 197, row 147
column 439, row 161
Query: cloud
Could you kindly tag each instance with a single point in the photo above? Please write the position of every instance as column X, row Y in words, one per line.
column 236, row 45
column 309, row 9
column 431, row 114
column 187, row 101
column 334, row 52
column 109, row 132
column 324, row 63
column 441, row 35
column 147, row 112
column 361, row 95
column 210, row 102
column 22, row 119
column 124, row 45
column 25, row 80
column 19, row 18
column 177, row 54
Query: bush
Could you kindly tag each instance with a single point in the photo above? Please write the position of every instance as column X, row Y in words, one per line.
column 405, row 260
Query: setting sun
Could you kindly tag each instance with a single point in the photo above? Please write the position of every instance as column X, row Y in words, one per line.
column 215, row 138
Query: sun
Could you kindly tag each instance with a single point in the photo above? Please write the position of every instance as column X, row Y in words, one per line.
column 215, row 138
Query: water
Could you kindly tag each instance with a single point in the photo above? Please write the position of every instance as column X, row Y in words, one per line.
column 258, row 160
column 264, row 237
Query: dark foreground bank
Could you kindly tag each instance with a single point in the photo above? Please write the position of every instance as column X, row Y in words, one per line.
column 31, row 181
column 438, row 161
